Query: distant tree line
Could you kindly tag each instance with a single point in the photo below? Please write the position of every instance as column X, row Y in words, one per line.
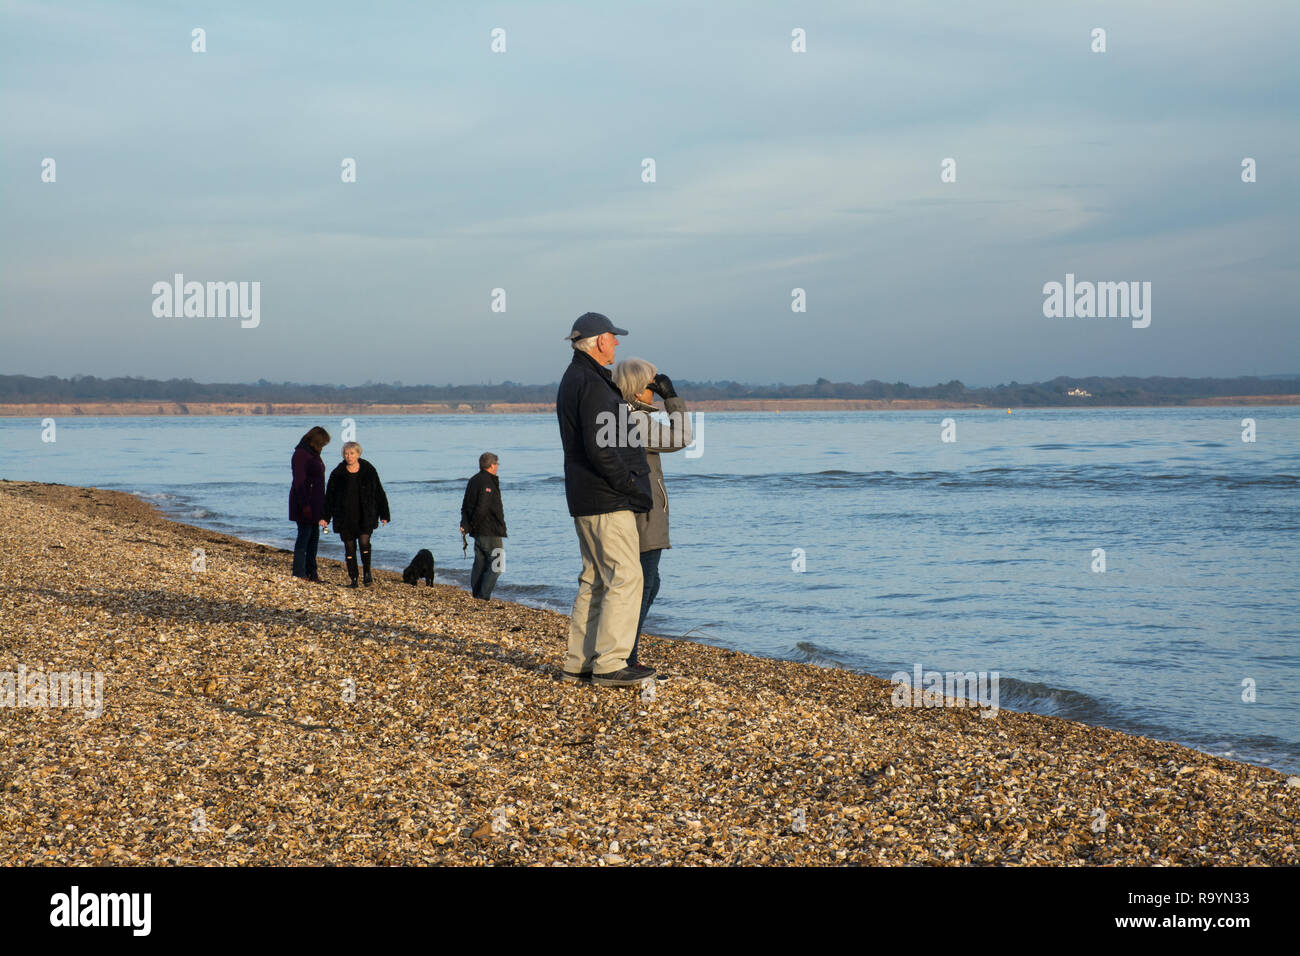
column 1157, row 390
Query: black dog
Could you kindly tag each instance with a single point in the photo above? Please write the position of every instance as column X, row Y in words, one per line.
column 421, row 566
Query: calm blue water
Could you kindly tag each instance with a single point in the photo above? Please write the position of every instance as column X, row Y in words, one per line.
column 974, row 555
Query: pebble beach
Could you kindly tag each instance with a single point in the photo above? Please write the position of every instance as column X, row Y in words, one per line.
column 249, row 718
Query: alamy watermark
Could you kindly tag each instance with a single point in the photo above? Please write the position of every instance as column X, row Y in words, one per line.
column 946, row 689
column 212, row 300
column 75, row 908
column 1100, row 300
column 82, row 690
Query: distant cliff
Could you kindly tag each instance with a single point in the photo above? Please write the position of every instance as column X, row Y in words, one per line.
column 149, row 409
column 28, row 395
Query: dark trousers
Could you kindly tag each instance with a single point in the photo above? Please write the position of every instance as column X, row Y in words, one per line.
column 482, row 579
column 304, row 549
column 649, row 590
column 350, row 554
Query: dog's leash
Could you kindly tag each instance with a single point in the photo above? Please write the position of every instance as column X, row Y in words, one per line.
column 464, row 546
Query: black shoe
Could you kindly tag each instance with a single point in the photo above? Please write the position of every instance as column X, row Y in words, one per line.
column 627, row 677
column 660, row 676
column 354, row 582
column 569, row 677
column 367, row 580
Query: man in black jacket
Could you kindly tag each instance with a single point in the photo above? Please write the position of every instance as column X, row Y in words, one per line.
column 483, row 518
column 606, row 482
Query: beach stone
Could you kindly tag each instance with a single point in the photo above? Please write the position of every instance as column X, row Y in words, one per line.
column 222, row 692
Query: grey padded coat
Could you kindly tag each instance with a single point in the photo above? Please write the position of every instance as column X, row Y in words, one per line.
column 670, row 436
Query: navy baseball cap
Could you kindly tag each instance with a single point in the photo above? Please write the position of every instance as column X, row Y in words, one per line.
column 592, row 323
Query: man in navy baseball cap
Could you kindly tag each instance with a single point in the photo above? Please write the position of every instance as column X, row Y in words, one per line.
column 606, row 484
column 592, row 323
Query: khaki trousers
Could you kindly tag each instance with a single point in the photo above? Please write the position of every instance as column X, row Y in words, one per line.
column 605, row 612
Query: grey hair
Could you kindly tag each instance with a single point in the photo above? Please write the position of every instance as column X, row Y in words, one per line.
column 351, row 444
column 487, row 460
column 632, row 376
column 587, row 344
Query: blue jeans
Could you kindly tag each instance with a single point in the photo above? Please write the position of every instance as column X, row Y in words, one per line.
column 304, row 549
column 482, row 579
column 649, row 590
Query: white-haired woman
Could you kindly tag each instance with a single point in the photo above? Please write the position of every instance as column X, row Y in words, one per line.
column 640, row 381
column 356, row 503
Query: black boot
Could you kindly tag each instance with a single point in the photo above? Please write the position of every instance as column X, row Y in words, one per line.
column 352, row 570
column 366, row 579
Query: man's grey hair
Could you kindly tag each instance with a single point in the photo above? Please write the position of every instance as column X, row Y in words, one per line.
column 632, row 376
column 487, row 460
column 351, row 444
column 587, row 344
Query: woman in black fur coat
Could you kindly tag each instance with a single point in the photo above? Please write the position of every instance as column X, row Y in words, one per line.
column 356, row 503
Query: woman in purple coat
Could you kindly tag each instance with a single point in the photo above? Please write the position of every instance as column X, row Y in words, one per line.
column 307, row 500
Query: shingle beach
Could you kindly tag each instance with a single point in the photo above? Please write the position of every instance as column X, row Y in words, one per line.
column 250, row 718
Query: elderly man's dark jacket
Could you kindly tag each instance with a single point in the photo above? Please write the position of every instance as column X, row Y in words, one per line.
column 481, row 511
column 598, row 480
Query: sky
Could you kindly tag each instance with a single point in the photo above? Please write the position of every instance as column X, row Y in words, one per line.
column 774, row 170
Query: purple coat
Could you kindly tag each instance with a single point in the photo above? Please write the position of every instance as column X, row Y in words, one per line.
column 308, row 488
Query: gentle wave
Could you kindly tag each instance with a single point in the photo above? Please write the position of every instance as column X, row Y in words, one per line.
column 807, row 652
column 1033, row 697
column 1092, row 478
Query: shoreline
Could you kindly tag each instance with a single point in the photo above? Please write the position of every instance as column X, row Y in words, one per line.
column 224, row 692
column 149, row 409
column 821, row 657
